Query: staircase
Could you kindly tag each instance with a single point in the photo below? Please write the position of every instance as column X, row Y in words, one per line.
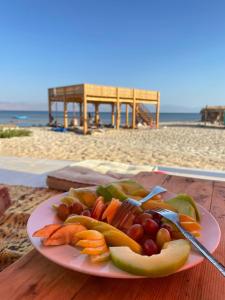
column 143, row 114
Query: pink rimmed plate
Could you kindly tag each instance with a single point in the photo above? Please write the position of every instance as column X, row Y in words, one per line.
column 70, row 257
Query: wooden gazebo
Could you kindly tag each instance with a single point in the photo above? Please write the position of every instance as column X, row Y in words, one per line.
column 98, row 94
column 213, row 114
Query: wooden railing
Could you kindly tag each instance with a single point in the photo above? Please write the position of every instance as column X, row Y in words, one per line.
column 143, row 113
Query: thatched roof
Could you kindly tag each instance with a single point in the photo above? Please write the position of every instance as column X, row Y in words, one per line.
column 213, row 109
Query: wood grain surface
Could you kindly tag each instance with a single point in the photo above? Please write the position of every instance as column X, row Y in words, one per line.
column 34, row 277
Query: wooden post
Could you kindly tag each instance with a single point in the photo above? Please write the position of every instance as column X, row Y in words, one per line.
column 157, row 110
column 113, row 116
column 85, row 124
column 49, row 108
column 117, row 110
column 127, row 115
column 81, row 114
column 96, row 114
column 65, row 114
column 134, row 111
column 206, row 115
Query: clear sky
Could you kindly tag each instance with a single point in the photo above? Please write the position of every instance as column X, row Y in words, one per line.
column 174, row 46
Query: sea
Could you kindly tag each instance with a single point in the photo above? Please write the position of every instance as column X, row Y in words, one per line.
column 40, row 118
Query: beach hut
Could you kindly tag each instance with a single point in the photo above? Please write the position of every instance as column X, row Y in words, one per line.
column 213, row 114
column 134, row 99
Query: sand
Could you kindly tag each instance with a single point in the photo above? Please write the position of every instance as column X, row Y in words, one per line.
column 182, row 146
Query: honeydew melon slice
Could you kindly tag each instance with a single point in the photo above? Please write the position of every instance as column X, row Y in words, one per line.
column 172, row 257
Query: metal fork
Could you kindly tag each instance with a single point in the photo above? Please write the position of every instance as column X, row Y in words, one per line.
column 129, row 206
column 174, row 218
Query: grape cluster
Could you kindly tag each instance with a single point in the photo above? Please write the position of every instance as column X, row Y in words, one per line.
column 150, row 232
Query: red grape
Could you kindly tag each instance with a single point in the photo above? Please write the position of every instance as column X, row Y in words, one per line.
column 168, row 227
column 76, row 208
column 136, row 232
column 63, row 212
column 145, row 216
column 86, row 213
column 150, row 247
column 156, row 217
column 150, row 226
column 137, row 219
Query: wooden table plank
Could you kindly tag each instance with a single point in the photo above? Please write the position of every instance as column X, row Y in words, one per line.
column 201, row 190
column 149, row 180
column 34, row 277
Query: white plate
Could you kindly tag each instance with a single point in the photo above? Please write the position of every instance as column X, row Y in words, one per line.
column 70, row 257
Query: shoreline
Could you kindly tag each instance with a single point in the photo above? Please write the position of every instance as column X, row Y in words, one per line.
column 184, row 145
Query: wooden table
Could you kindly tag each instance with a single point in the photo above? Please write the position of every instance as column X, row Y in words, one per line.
column 34, row 277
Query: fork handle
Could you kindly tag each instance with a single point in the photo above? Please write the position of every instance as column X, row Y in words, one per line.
column 202, row 249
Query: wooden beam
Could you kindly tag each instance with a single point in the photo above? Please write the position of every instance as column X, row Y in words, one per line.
column 113, row 115
column 81, row 113
column 206, row 115
column 157, row 111
column 85, row 120
column 134, row 111
column 97, row 114
column 127, row 115
column 49, row 108
column 65, row 114
column 117, row 110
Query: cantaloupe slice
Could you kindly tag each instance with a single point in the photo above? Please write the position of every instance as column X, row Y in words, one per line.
column 111, row 210
column 46, row 231
column 191, row 226
column 64, row 235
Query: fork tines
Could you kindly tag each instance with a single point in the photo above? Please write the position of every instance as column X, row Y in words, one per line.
column 125, row 210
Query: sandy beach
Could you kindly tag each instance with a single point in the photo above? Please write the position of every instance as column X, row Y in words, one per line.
column 183, row 146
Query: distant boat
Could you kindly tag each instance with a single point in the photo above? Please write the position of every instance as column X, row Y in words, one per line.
column 20, row 117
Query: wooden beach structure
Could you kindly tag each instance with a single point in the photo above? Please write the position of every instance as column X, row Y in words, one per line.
column 213, row 114
column 134, row 99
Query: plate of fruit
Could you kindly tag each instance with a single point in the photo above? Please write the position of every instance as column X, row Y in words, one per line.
column 75, row 230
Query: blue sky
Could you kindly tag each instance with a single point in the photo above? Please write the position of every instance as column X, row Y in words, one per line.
column 176, row 47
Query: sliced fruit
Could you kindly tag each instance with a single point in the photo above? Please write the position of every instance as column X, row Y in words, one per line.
column 172, row 257
column 89, row 235
column 95, row 250
column 191, row 226
column 132, row 188
column 98, row 208
column 63, row 212
column 184, row 204
column 153, row 204
column 64, row 235
column 111, row 210
column 110, row 191
column 162, row 237
column 85, row 196
column 186, row 218
column 68, row 200
column 121, row 190
column 84, row 220
column 101, row 257
column 119, row 238
column 115, row 238
column 47, row 230
column 179, row 235
column 90, row 243
column 176, row 234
